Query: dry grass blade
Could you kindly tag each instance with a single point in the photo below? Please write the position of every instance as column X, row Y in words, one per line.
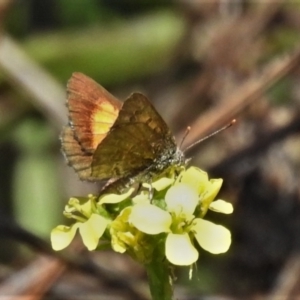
column 46, row 93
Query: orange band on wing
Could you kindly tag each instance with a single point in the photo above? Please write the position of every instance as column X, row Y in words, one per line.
column 92, row 111
column 102, row 120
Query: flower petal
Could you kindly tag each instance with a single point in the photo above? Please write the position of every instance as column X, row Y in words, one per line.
column 209, row 193
column 142, row 197
column 117, row 244
column 150, row 219
column 92, row 230
column 212, row 189
column 211, row 237
column 115, row 198
column 72, row 205
column 181, row 198
column 86, row 208
column 118, row 228
column 160, row 184
column 221, row 206
column 179, row 250
column 194, row 177
column 62, row 236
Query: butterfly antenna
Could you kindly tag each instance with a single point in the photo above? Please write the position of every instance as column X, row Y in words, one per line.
column 208, row 136
column 187, row 131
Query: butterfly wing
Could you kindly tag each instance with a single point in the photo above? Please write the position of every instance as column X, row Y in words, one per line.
column 80, row 160
column 138, row 139
column 92, row 112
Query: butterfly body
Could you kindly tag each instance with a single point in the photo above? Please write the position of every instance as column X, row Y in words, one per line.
column 110, row 140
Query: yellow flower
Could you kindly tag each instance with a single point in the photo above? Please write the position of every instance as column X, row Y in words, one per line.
column 186, row 204
column 171, row 220
column 90, row 231
column 91, row 220
column 125, row 237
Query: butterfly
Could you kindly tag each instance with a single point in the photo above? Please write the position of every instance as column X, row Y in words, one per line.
column 120, row 142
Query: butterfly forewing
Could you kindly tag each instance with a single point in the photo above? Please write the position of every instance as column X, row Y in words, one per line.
column 92, row 111
column 137, row 139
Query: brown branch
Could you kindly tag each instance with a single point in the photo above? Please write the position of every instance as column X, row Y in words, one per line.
column 32, row 282
column 247, row 93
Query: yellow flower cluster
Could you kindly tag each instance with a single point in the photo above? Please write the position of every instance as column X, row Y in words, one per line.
column 171, row 219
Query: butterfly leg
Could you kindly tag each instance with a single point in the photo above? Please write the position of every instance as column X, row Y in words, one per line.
column 151, row 191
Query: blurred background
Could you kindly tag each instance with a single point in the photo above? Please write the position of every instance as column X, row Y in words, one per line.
column 201, row 63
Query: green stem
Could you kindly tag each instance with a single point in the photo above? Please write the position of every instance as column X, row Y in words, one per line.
column 160, row 281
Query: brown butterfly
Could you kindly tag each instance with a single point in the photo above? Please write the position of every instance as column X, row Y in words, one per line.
column 106, row 139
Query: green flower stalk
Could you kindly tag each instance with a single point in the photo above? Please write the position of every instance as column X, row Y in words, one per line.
column 158, row 232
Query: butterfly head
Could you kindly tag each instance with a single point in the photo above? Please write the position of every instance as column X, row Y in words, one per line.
column 178, row 160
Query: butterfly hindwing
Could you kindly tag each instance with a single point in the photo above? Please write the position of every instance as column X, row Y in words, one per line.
column 76, row 157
